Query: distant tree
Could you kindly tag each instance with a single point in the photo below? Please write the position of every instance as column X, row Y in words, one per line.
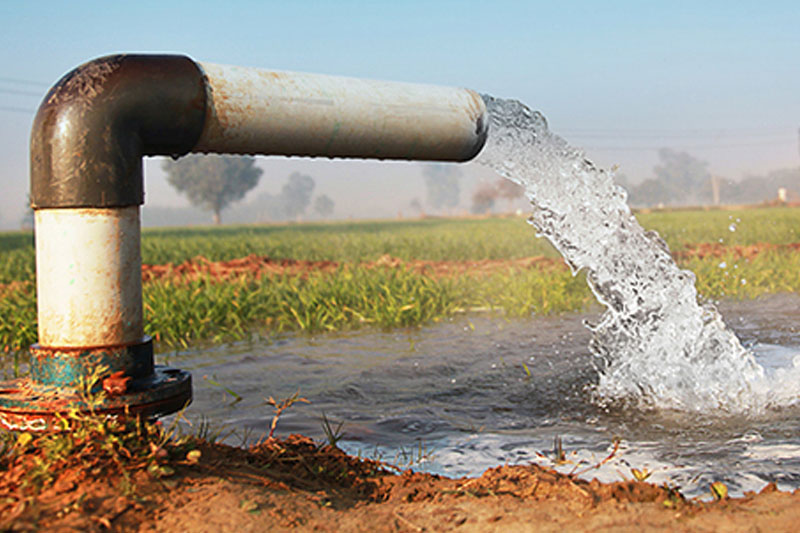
column 296, row 194
column 442, row 185
column 323, row 206
column 756, row 189
column 684, row 178
column 292, row 201
column 508, row 190
column 212, row 182
column 650, row 192
column 415, row 205
column 483, row 198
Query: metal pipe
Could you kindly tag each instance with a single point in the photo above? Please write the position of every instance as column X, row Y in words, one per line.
column 252, row 111
column 88, row 286
column 87, row 143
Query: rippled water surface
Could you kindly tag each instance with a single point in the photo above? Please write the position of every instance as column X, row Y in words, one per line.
column 460, row 390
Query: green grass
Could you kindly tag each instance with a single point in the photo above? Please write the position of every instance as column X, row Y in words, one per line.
column 778, row 225
column 430, row 239
column 181, row 313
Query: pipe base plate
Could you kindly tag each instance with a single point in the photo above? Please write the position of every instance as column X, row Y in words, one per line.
column 26, row 405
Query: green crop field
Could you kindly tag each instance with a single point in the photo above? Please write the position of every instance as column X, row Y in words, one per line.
column 180, row 312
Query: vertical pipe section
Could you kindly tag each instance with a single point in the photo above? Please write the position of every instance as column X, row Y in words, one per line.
column 88, row 277
column 87, row 143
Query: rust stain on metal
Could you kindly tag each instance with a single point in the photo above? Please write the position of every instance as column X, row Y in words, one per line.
column 84, row 84
column 116, row 383
column 217, row 121
column 27, row 405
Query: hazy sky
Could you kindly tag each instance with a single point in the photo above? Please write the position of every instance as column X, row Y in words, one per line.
column 620, row 79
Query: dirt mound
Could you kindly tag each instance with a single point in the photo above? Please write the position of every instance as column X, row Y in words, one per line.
column 295, row 484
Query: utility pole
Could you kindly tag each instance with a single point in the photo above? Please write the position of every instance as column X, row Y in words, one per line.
column 715, row 182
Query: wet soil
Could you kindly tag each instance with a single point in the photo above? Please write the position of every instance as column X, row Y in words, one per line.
column 295, row 484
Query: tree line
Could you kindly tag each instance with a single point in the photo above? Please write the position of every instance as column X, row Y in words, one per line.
column 213, row 182
column 682, row 179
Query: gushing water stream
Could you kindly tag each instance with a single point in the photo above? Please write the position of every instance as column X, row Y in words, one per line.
column 656, row 345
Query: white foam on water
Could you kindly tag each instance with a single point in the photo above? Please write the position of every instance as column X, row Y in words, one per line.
column 656, row 345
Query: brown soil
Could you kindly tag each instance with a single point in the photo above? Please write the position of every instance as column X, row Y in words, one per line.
column 258, row 266
column 703, row 250
column 295, row 484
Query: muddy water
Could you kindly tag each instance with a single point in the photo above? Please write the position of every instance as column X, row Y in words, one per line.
column 455, row 398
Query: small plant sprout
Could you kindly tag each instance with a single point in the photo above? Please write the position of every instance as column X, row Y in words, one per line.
column 406, row 459
column 280, row 407
column 559, row 456
column 236, row 397
column 641, row 475
column 719, row 491
column 614, row 449
column 332, row 435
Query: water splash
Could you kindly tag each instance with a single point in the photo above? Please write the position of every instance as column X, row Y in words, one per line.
column 657, row 346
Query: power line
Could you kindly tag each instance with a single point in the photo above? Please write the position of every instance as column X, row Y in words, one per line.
column 19, row 92
column 685, row 146
column 16, row 109
column 23, row 82
column 687, row 131
column 674, row 135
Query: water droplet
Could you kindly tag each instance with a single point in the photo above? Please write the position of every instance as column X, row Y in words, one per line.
column 744, row 281
column 732, row 228
column 723, row 265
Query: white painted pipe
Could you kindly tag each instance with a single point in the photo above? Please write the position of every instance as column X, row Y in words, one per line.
column 88, row 277
column 256, row 111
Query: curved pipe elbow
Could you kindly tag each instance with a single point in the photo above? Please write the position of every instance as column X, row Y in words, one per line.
column 96, row 123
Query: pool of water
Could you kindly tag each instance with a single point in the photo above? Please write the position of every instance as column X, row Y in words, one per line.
column 474, row 392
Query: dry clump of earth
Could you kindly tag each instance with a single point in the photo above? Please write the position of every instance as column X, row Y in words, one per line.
column 296, row 484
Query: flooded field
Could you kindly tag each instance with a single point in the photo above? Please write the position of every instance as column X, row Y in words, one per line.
column 474, row 392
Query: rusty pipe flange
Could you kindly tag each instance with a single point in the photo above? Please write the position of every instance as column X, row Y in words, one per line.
column 74, row 367
column 121, row 378
column 26, row 405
